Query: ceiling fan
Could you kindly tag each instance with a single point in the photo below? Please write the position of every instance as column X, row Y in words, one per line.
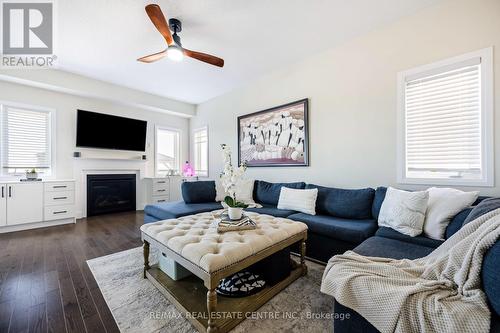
column 174, row 50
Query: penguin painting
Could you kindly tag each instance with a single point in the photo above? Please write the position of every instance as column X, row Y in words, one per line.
column 246, row 135
column 276, row 136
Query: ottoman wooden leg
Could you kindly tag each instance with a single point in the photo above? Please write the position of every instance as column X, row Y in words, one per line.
column 145, row 248
column 303, row 257
column 211, row 307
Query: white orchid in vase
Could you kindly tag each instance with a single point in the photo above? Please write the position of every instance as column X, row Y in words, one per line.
column 229, row 178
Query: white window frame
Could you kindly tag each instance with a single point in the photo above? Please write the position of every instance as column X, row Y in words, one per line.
column 204, row 128
column 172, row 129
column 52, row 139
column 487, row 126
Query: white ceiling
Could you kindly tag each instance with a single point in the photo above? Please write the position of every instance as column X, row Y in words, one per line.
column 103, row 38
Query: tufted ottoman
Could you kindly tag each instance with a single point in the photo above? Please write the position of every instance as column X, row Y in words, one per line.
column 193, row 242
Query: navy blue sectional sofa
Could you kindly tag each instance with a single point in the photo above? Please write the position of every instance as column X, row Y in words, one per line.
column 388, row 243
column 344, row 217
column 344, row 220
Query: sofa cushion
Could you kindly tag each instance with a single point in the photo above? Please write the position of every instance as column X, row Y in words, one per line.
column 353, row 231
column 391, row 248
column 378, row 199
column 482, row 208
column 491, row 277
column 272, row 210
column 150, row 219
column 345, row 203
column 457, row 222
column 269, row 193
column 198, row 192
column 172, row 210
column 419, row 240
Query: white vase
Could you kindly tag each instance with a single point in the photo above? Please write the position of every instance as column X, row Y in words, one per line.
column 234, row 213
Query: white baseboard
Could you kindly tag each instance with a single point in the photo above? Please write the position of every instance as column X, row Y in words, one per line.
column 36, row 225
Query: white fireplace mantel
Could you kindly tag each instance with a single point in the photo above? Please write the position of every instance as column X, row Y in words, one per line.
column 84, row 167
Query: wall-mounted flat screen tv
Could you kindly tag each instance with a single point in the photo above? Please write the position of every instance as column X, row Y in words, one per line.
column 104, row 131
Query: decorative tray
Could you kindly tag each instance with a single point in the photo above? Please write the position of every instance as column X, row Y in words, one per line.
column 224, row 223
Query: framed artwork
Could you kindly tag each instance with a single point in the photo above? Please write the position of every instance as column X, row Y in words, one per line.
column 275, row 137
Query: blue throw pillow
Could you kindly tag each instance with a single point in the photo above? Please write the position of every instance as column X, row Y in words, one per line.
column 378, row 200
column 485, row 206
column 490, row 276
column 457, row 222
column 344, row 203
column 198, row 192
column 269, row 193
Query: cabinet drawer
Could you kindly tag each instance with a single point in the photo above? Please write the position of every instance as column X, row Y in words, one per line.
column 59, row 212
column 59, row 198
column 160, row 192
column 59, row 186
column 159, row 187
column 160, row 182
column 161, row 199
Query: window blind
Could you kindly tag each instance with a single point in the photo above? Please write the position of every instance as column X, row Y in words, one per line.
column 443, row 120
column 25, row 138
column 201, row 152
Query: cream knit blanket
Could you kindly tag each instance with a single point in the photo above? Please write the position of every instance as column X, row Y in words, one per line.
column 438, row 293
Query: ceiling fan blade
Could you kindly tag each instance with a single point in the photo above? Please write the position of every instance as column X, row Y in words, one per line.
column 153, row 57
column 213, row 60
column 156, row 15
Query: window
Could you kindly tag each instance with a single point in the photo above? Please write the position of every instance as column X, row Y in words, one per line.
column 200, row 141
column 167, row 151
column 445, row 119
column 26, row 140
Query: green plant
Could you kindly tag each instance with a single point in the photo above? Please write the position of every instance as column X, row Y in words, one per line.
column 231, row 202
column 31, row 171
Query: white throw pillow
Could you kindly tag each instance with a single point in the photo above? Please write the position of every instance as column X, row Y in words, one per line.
column 244, row 191
column 444, row 204
column 300, row 200
column 404, row 211
column 220, row 194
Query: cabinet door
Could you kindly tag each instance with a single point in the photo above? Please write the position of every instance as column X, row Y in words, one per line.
column 24, row 203
column 3, row 204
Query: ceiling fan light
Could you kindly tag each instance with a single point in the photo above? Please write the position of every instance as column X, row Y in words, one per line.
column 175, row 53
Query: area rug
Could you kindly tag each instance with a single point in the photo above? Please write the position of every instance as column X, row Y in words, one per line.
column 138, row 306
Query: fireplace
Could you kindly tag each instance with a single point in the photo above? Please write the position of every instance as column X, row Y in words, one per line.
column 110, row 193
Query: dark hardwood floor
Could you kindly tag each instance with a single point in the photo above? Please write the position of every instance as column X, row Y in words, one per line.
column 45, row 283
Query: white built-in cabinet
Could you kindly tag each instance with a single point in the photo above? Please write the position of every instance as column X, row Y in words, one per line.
column 3, row 205
column 26, row 205
column 163, row 189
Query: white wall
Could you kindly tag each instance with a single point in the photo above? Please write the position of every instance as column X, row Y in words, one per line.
column 66, row 105
column 70, row 83
column 352, row 93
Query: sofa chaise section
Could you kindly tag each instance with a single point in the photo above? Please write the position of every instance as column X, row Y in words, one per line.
column 389, row 243
column 397, row 249
column 199, row 197
column 172, row 210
